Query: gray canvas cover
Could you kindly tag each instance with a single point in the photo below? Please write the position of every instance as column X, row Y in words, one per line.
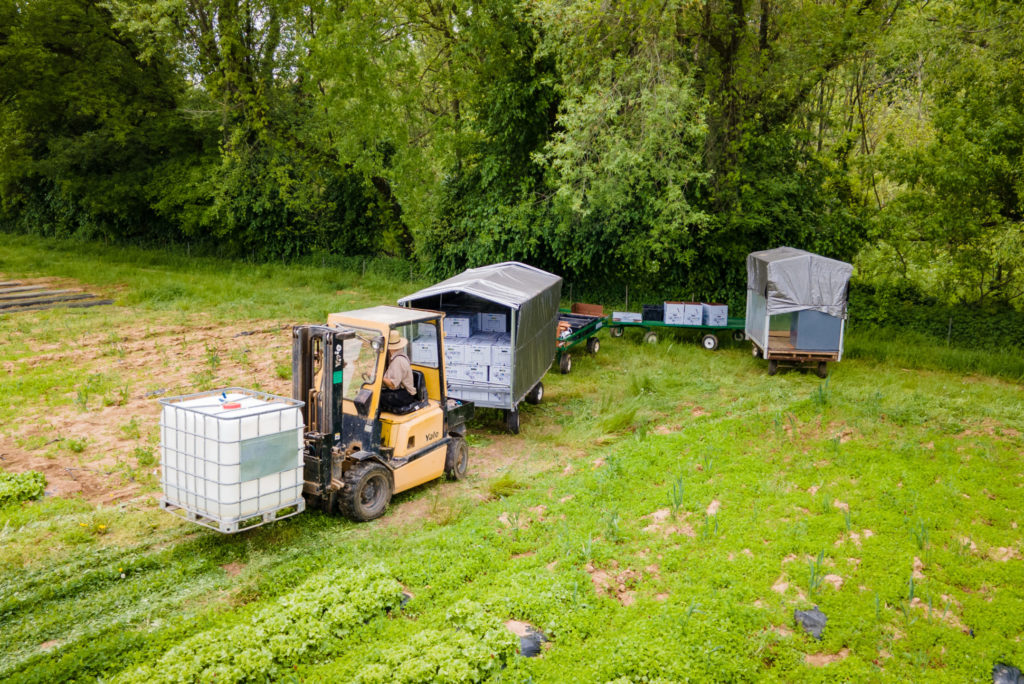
column 792, row 279
column 534, row 295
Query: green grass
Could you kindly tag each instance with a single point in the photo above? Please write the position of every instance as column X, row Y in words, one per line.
column 660, row 517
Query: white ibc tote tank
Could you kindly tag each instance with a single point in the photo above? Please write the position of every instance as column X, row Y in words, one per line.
column 231, row 454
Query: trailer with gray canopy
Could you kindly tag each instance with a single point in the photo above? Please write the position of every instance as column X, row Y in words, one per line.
column 796, row 307
column 505, row 315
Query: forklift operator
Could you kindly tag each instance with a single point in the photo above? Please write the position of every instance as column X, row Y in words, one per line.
column 399, row 389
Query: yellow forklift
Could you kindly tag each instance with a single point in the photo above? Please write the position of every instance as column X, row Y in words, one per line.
column 357, row 456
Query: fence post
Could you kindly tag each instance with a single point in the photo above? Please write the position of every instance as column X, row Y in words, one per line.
column 949, row 332
column 627, row 297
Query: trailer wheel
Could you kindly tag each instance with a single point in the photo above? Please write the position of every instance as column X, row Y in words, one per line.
column 709, row 342
column 512, row 420
column 651, row 337
column 456, row 461
column 368, row 488
column 822, row 369
column 755, row 351
column 565, row 363
column 535, row 395
column 616, row 331
column 738, row 336
column 593, row 345
column 773, row 366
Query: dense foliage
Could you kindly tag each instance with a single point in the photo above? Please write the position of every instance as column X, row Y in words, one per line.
column 15, row 487
column 650, row 144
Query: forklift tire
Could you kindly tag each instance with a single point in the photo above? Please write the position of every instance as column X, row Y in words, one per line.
column 368, row 488
column 822, row 369
column 535, row 395
column 616, row 331
column 512, row 421
column 773, row 366
column 651, row 337
column 593, row 345
column 565, row 363
column 456, row 461
column 709, row 342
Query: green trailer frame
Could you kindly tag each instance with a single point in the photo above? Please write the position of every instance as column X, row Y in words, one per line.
column 708, row 340
column 583, row 328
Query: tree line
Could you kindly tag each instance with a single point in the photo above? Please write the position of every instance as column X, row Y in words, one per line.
column 611, row 141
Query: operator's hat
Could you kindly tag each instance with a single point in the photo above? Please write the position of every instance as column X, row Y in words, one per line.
column 396, row 341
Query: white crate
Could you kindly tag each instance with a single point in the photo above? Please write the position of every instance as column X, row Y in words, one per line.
column 458, row 326
column 715, row 314
column 424, row 353
column 500, row 375
column 454, row 351
column 493, row 322
column 627, row 317
column 227, row 464
column 477, row 373
column 456, row 371
column 684, row 313
column 478, row 351
column 426, row 330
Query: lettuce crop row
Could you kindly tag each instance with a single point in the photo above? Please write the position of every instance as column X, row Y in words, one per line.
column 305, row 624
column 16, row 487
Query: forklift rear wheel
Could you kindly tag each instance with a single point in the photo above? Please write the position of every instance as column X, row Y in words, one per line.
column 593, row 345
column 709, row 342
column 738, row 336
column 565, row 363
column 651, row 337
column 535, row 395
column 822, row 369
column 512, row 421
column 616, row 331
column 456, row 461
column 773, row 366
column 368, row 488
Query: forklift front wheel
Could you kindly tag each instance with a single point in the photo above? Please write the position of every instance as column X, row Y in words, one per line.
column 593, row 345
column 616, row 331
column 368, row 488
column 512, row 420
column 535, row 395
column 456, row 462
column 565, row 363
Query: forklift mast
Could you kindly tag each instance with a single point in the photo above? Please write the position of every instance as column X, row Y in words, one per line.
column 317, row 375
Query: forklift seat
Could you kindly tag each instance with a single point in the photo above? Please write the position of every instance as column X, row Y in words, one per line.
column 419, row 383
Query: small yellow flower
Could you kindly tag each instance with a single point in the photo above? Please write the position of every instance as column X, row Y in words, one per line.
column 102, row 527
column 83, row 525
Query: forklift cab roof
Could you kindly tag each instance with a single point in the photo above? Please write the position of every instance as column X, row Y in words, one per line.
column 389, row 315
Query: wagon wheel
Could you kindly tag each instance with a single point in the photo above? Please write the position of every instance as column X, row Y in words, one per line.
column 535, row 395
column 512, row 420
column 616, row 331
column 651, row 337
column 709, row 342
column 822, row 369
column 773, row 366
column 565, row 363
column 738, row 336
column 593, row 345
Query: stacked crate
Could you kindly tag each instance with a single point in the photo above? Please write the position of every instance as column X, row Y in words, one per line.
column 478, row 352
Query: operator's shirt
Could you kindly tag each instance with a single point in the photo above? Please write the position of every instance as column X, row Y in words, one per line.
column 399, row 372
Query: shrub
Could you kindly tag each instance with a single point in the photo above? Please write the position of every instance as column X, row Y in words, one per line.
column 16, row 487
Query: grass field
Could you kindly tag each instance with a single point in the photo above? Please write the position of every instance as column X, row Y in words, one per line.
column 661, row 516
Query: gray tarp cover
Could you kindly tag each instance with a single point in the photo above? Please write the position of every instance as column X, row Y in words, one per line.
column 793, row 280
column 534, row 293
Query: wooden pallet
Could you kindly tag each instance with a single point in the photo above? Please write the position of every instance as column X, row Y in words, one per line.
column 16, row 297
